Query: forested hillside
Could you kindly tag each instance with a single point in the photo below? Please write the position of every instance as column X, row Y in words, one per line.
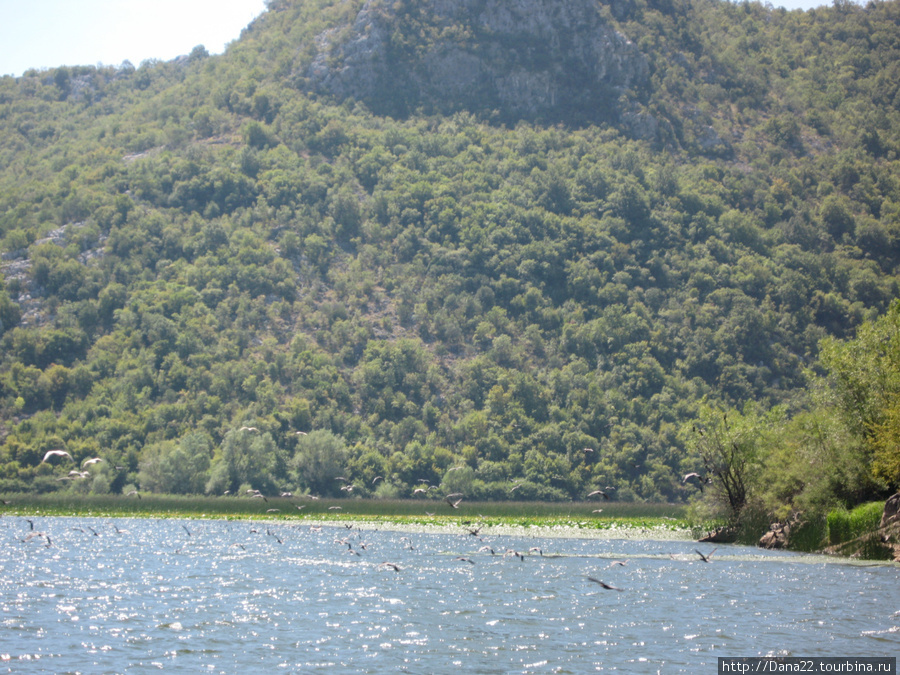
column 244, row 271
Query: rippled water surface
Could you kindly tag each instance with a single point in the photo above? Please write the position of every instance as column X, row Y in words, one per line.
column 217, row 596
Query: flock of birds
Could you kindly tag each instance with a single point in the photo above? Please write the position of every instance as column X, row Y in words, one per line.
column 348, row 487
column 74, row 474
column 453, row 500
column 349, row 540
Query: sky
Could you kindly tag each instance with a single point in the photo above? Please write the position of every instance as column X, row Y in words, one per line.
column 51, row 33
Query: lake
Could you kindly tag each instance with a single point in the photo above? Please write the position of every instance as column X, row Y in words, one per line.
column 214, row 596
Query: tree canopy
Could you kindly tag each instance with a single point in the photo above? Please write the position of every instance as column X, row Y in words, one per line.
column 195, row 246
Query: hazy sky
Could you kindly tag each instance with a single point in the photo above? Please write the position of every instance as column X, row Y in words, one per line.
column 50, row 33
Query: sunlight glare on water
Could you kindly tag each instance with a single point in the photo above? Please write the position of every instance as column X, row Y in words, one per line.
column 110, row 596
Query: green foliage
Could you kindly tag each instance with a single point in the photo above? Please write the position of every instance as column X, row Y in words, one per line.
column 319, row 463
column 845, row 525
column 193, row 244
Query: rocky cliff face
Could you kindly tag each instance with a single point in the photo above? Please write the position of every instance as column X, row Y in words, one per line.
column 526, row 59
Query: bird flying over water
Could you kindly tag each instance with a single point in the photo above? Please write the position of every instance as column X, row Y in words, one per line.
column 38, row 535
column 705, row 558
column 604, row 585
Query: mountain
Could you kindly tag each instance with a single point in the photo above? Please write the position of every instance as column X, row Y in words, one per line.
column 525, row 59
column 463, row 241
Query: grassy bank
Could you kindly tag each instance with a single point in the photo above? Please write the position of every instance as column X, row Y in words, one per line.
column 577, row 515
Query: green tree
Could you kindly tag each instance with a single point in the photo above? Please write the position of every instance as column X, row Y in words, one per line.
column 320, row 458
column 247, row 457
column 176, row 467
column 732, row 447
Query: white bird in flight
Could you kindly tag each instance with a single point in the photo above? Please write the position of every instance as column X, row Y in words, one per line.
column 56, row 453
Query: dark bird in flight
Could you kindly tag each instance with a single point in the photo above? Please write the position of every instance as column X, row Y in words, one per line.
column 393, row 566
column 706, row 558
column 449, row 499
column 604, row 585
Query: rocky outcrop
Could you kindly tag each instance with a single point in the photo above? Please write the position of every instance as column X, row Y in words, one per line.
column 722, row 535
column 777, row 537
column 891, row 511
column 524, row 59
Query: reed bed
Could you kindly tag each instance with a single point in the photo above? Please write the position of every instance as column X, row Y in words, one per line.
column 581, row 515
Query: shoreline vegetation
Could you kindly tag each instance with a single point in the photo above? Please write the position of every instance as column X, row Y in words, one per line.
column 854, row 534
column 615, row 520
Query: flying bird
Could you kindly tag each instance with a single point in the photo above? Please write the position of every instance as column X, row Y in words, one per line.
column 393, row 566
column 248, row 429
column 706, row 558
column 92, row 460
column 449, row 499
column 604, row 585
column 55, row 453
column 38, row 535
column 599, row 493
